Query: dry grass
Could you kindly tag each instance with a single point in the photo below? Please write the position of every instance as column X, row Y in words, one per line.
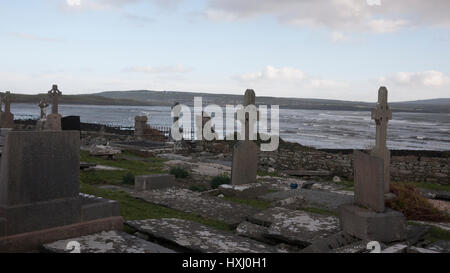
column 413, row 205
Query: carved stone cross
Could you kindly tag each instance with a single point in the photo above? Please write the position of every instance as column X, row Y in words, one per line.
column 43, row 105
column 381, row 114
column 54, row 94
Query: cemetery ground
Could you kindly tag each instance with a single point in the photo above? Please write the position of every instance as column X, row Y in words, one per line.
column 113, row 178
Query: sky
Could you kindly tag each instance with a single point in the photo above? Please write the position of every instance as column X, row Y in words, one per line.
column 328, row 49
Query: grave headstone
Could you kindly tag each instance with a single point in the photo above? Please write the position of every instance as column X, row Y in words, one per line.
column 7, row 118
column 39, row 192
column 70, row 123
column 367, row 218
column 382, row 114
column 40, row 124
column 53, row 122
column 140, row 124
column 245, row 152
column 368, row 177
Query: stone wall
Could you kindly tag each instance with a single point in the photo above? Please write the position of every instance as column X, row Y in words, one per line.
column 403, row 168
column 408, row 166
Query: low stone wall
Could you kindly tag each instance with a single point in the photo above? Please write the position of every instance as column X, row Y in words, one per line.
column 403, row 168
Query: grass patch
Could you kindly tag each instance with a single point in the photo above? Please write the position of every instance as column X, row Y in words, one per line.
column 413, row 205
column 179, row 172
column 438, row 234
column 131, row 167
column 347, row 185
column 128, row 179
column 432, row 186
column 135, row 209
column 320, row 211
column 259, row 204
column 198, row 188
column 220, row 180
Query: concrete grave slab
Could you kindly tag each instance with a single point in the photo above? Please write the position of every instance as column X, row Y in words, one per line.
column 108, row 242
column 154, row 182
column 196, row 203
column 329, row 243
column 314, row 198
column 252, row 190
column 294, row 226
column 195, row 237
column 255, row 232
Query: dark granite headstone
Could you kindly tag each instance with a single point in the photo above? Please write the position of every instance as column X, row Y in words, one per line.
column 70, row 123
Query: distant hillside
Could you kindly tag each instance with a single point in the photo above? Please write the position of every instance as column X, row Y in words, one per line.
column 168, row 98
column 187, row 98
column 80, row 99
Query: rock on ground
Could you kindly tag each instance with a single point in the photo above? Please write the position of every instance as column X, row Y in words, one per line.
column 194, row 237
column 108, row 242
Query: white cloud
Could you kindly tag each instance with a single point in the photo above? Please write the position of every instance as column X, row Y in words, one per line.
column 159, row 69
column 287, row 78
column 106, row 4
column 428, row 79
column 338, row 15
column 73, row 2
column 337, row 36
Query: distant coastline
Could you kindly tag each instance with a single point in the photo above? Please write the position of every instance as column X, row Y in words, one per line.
column 168, row 98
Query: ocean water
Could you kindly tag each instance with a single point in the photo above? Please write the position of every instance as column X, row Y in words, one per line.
column 316, row 128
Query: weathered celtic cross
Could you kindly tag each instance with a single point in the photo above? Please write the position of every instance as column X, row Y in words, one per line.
column 382, row 114
column 54, row 94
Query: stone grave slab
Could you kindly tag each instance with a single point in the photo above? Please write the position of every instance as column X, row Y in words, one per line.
column 154, row 182
column 255, row 232
column 108, row 242
column 252, row 190
column 194, row 202
column 313, row 198
column 194, row 237
column 334, row 241
column 294, row 226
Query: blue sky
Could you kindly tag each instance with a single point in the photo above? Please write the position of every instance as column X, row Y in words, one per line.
column 331, row 49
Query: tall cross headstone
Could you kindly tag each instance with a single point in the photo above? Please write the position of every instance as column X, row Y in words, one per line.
column 54, row 95
column 7, row 118
column 382, row 114
column 245, row 152
column 53, row 122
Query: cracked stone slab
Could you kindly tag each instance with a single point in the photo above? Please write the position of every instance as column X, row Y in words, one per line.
column 315, row 198
column 254, row 231
column 359, row 247
column 195, row 237
column 107, row 242
column 296, row 227
column 440, row 246
column 334, row 241
column 194, row 202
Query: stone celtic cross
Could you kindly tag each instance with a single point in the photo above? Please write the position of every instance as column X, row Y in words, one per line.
column 43, row 105
column 54, row 94
column 381, row 114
